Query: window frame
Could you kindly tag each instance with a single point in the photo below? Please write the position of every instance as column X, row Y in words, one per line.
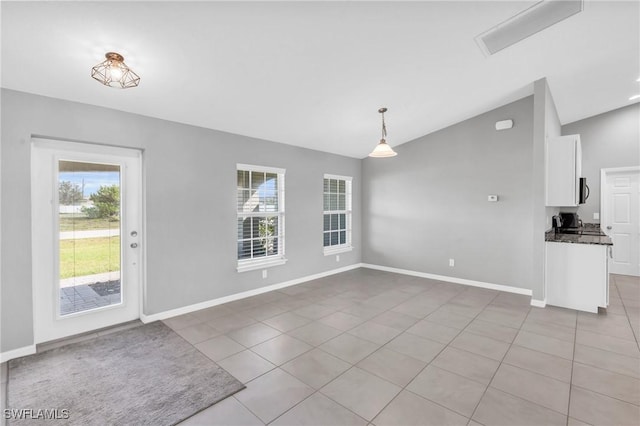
column 348, row 212
column 251, row 264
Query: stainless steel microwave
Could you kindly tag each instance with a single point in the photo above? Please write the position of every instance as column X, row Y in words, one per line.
column 584, row 190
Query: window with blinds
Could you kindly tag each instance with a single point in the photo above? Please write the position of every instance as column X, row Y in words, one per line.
column 260, row 217
column 337, row 214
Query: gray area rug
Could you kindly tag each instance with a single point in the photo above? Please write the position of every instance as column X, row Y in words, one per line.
column 146, row 375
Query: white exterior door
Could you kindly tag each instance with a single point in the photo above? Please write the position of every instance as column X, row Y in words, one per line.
column 621, row 218
column 86, row 237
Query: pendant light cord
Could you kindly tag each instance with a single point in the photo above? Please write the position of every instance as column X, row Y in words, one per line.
column 384, row 127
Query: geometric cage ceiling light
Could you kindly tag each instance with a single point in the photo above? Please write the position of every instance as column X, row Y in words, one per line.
column 114, row 72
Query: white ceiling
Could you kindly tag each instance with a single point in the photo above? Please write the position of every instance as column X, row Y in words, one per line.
column 313, row 74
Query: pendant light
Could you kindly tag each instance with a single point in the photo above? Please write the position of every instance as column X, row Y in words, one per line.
column 383, row 150
column 114, row 72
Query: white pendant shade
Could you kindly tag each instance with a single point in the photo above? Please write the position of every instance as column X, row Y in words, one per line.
column 382, row 150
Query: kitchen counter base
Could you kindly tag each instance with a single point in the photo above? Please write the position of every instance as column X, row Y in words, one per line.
column 577, row 276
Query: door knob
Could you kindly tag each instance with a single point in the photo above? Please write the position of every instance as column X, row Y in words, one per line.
column 134, row 245
column 609, row 227
column 134, row 233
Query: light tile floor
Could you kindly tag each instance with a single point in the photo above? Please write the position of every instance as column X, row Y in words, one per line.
column 370, row 347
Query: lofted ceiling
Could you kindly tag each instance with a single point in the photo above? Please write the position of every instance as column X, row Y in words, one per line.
column 313, row 74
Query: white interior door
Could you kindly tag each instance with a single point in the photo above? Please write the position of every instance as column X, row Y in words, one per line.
column 86, row 237
column 621, row 218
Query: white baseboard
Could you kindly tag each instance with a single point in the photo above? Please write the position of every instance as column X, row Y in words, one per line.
column 29, row 350
column 463, row 281
column 214, row 302
column 17, row 353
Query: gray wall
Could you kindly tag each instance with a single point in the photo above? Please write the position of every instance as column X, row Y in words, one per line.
column 608, row 140
column 429, row 203
column 191, row 252
column 546, row 124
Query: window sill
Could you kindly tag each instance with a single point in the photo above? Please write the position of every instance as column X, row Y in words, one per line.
column 328, row 251
column 252, row 265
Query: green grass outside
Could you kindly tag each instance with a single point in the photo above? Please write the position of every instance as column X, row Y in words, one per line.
column 74, row 222
column 87, row 256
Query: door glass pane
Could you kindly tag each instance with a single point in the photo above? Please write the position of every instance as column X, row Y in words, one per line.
column 89, row 243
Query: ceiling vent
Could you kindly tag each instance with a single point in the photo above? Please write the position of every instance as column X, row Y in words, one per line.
column 528, row 22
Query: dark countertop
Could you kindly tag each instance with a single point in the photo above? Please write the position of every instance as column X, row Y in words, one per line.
column 583, row 235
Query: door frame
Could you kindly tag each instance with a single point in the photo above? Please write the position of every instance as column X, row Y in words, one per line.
column 91, row 148
column 604, row 173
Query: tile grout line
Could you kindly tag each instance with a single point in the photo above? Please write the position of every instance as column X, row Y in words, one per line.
column 445, row 346
column 344, row 372
column 607, row 396
column 270, row 370
column 624, row 306
column 381, row 346
column 355, row 366
column 404, row 388
column 499, row 365
column 280, row 366
column 313, row 347
column 573, row 357
column 317, row 391
column 404, row 331
column 516, row 396
column 401, row 331
column 247, row 408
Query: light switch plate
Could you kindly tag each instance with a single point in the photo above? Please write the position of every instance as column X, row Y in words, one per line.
column 596, row 216
column 492, row 198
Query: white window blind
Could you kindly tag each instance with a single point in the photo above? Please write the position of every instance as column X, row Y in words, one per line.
column 260, row 217
column 337, row 214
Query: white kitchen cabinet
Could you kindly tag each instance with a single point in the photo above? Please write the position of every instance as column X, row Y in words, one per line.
column 563, row 170
column 577, row 276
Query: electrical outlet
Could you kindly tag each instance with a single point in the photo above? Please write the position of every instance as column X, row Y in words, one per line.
column 337, row 258
column 596, row 216
column 264, row 273
column 452, row 262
